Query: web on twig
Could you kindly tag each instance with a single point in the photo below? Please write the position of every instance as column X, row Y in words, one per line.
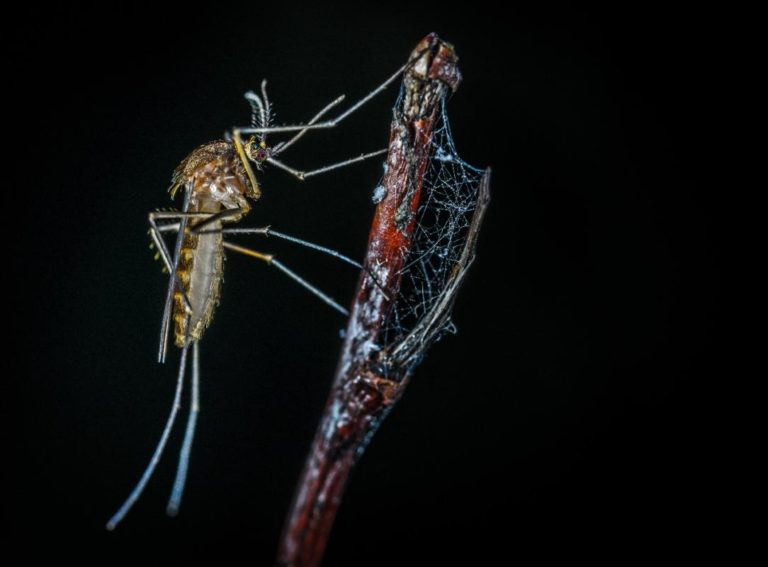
column 449, row 198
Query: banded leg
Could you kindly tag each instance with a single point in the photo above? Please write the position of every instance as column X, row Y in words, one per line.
column 267, row 231
column 270, row 260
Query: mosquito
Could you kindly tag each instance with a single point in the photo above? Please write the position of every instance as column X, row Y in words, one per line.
column 219, row 184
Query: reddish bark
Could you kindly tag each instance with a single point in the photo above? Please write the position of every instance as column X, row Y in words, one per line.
column 367, row 383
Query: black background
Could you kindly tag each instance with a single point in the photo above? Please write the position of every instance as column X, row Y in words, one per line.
column 571, row 414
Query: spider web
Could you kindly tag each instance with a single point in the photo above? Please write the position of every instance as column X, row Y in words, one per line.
column 449, row 198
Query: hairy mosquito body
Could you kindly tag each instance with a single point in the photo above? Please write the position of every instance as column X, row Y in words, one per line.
column 217, row 181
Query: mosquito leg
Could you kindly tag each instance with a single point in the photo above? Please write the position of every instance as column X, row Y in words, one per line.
column 232, row 214
column 267, row 231
column 206, row 220
column 155, row 232
column 270, row 259
column 165, row 325
column 328, row 123
column 302, row 175
column 163, row 215
column 280, row 148
column 136, row 492
column 157, row 229
column 174, row 227
column 181, row 472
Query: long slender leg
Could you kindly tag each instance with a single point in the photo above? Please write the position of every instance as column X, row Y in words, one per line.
column 267, row 231
column 174, row 226
column 281, row 147
column 155, row 230
column 165, row 325
column 164, row 215
column 165, row 255
column 205, row 219
column 302, row 175
column 302, row 129
column 270, row 259
column 136, row 492
column 181, row 472
column 328, row 123
column 232, row 214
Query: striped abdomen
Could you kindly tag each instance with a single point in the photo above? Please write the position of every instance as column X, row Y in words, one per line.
column 201, row 266
column 217, row 181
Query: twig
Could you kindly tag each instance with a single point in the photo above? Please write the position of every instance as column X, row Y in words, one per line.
column 372, row 372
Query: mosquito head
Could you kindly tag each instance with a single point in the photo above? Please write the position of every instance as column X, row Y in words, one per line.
column 257, row 151
column 260, row 152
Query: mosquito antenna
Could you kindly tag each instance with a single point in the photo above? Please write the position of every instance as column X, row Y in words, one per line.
column 136, row 493
column 181, row 472
column 267, row 106
column 258, row 111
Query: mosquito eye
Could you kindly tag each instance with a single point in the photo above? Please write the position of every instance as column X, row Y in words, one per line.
column 261, row 154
